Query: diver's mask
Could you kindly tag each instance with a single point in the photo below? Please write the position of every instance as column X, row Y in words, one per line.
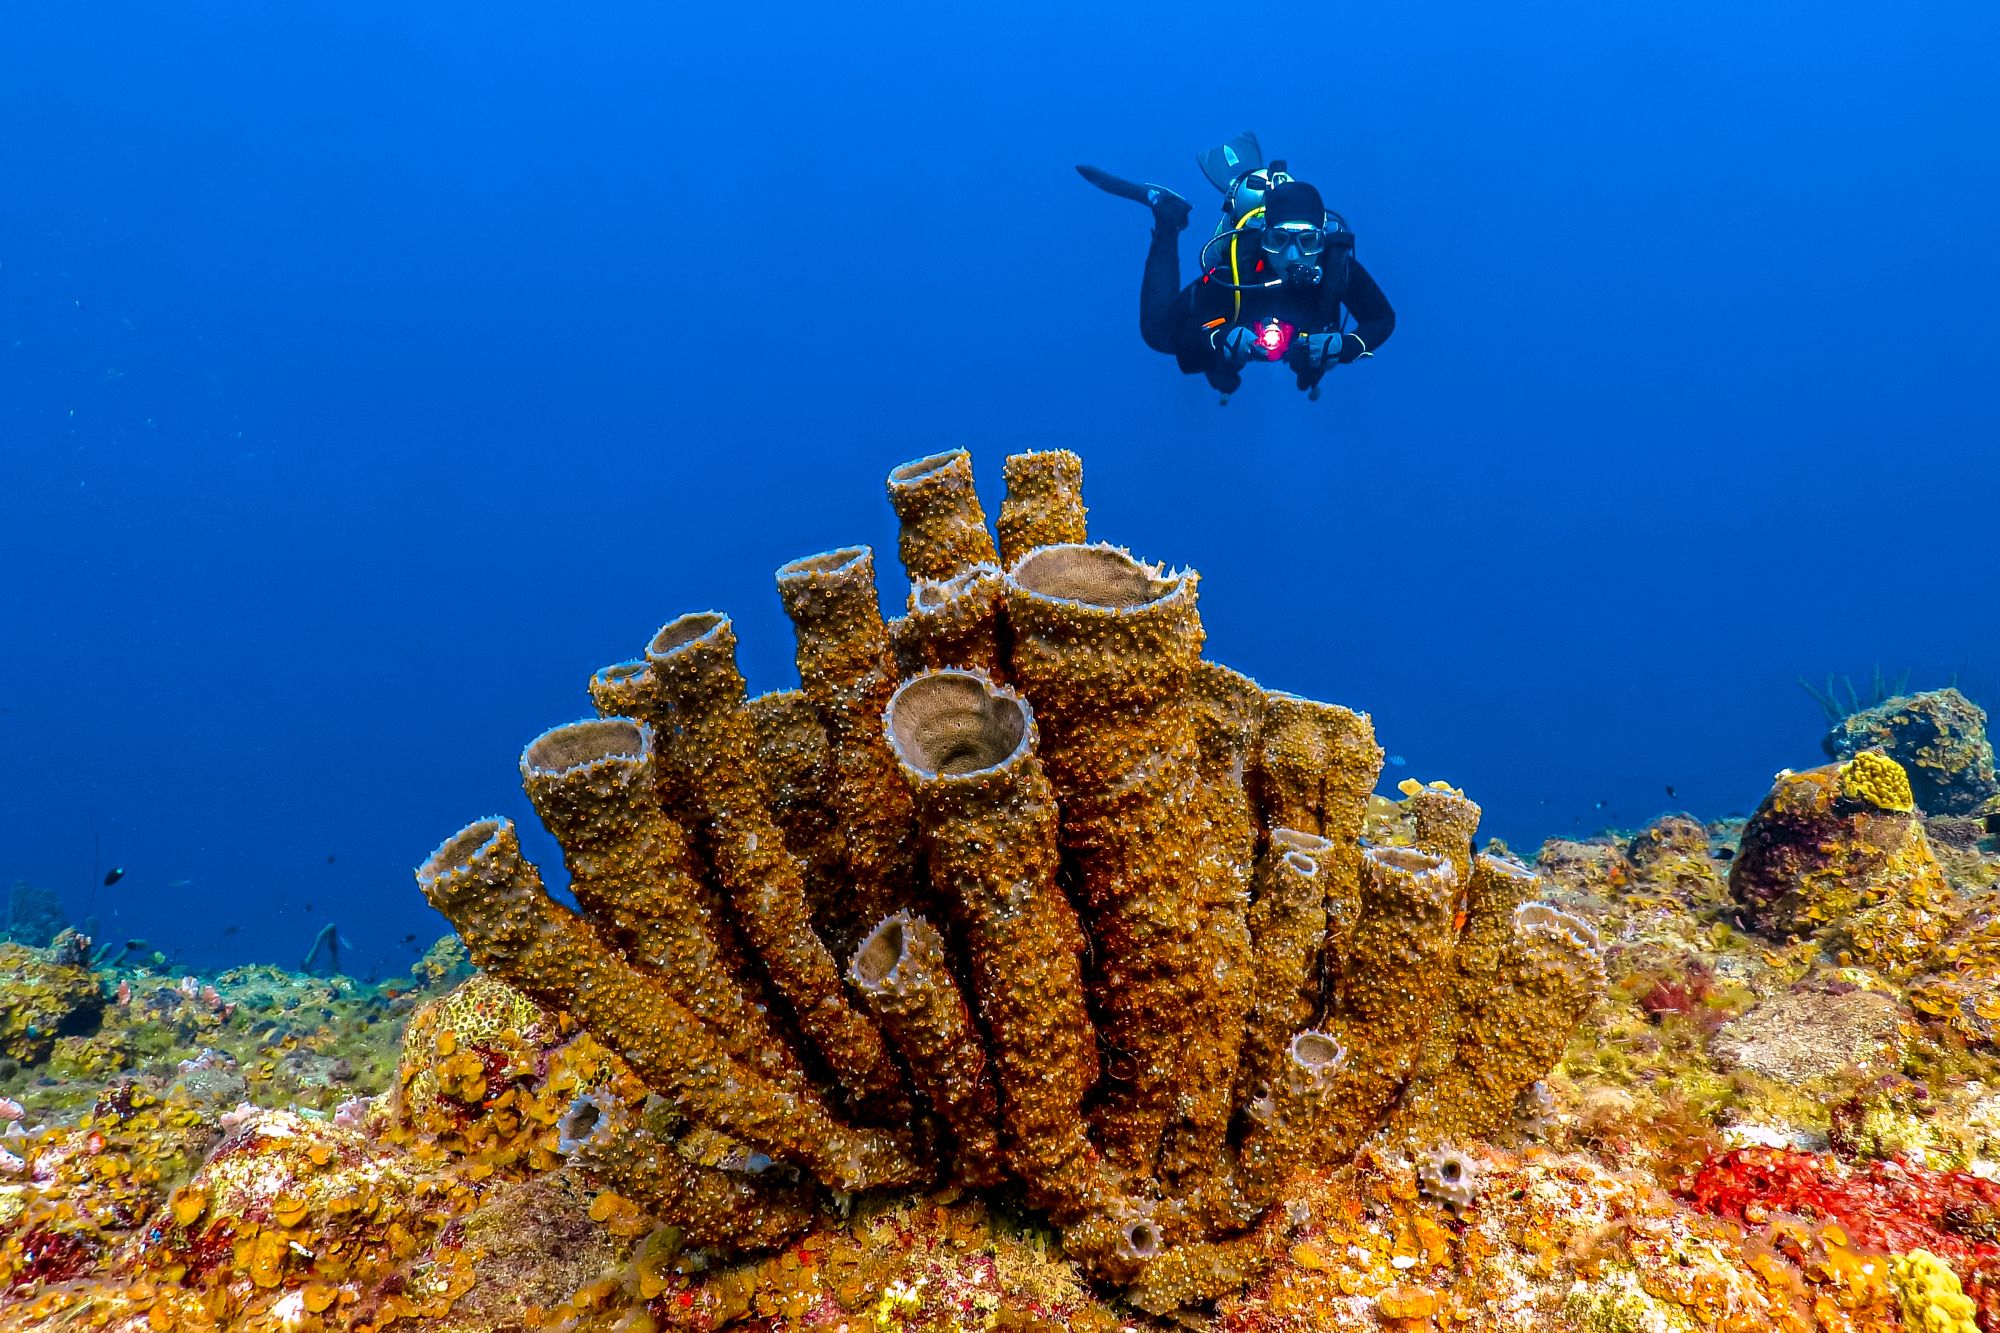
column 1292, row 249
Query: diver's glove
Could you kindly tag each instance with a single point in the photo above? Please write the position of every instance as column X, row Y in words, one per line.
column 1323, row 350
column 1236, row 345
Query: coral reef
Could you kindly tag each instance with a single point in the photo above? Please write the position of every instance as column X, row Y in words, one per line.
column 34, row 917
column 1125, row 1060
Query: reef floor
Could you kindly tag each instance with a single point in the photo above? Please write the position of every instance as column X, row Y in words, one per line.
column 1758, row 1128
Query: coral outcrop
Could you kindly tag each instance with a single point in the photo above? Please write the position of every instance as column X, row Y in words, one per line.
column 1938, row 737
column 1019, row 887
column 1839, row 851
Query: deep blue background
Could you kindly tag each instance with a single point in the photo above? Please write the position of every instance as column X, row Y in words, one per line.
column 368, row 377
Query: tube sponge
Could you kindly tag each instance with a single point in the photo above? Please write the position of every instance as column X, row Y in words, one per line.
column 943, row 527
column 1445, row 824
column 953, row 622
column 903, row 975
column 494, row 897
column 849, row 673
column 1511, row 1032
column 1044, row 504
column 988, row 817
column 1103, row 645
column 1287, row 925
column 591, row 783
column 1390, row 985
column 715, row 752
column 714, row 1207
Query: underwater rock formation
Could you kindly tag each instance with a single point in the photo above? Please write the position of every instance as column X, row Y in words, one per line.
column 1840, row 851
column 1938, row 736
column 1019, row 887
column 44, row 995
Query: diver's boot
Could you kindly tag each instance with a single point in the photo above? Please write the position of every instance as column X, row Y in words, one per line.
column 1169, row 209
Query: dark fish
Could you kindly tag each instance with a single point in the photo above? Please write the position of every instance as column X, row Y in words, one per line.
column 1993, row 822
column 329, row 858
column 113, row 875
column 1725, row 853
column 227, row 931
column 308, row 907
column 1670, row 791
column 409, row 939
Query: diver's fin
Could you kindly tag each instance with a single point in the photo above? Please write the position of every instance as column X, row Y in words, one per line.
column 1117, row 185
column 1164, row 202
column 1225, row 162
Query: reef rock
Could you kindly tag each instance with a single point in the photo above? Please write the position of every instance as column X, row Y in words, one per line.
column 1839, row 852
column 43, row 998
column 825, row 926
column 1939, row 737
column 35, row 915
column 1815, row 1034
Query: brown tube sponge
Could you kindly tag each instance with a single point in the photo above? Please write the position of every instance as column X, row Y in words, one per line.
column 1496, row 888
column 1299, row 1110
column 1387, row 994
column 1287, row 926
column 715, row 1208
column 1316, row 766
column 849, row 673
column 953, row 622
column 944, row 529
column 1445, row 825
column 592, row 784
column 1044, row 503
column 903, row 975
column 1103, row 645
column 988, row 819
column 1547, row 975
column 495, row 899
column 797, row 765
column 715, row 754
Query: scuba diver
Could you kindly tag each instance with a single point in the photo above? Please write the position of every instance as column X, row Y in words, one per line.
column 1278, row 275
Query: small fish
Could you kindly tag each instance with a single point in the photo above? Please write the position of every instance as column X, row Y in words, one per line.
column 329, row 858
column 1670, row 791
column 308, row 907
column 1598, row 806
column 1993, row 822
column 227, row 931
column 409, row 939
column 1725, row 853
column 1397, row 761
column 113, row 875
column 179, row 883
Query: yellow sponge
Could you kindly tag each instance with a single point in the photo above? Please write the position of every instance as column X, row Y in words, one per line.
column 1874, row 777
column 1933, row 1302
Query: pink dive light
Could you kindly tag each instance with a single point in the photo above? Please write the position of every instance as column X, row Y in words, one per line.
column 1275, row 338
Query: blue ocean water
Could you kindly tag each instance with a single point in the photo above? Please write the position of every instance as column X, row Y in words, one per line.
column 371, row 373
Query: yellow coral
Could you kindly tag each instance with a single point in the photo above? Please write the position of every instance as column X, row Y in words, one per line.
column 1874, row 777
column 1933, row 1302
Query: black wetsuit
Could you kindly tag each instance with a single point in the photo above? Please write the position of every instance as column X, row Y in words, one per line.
column 1180, row 320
